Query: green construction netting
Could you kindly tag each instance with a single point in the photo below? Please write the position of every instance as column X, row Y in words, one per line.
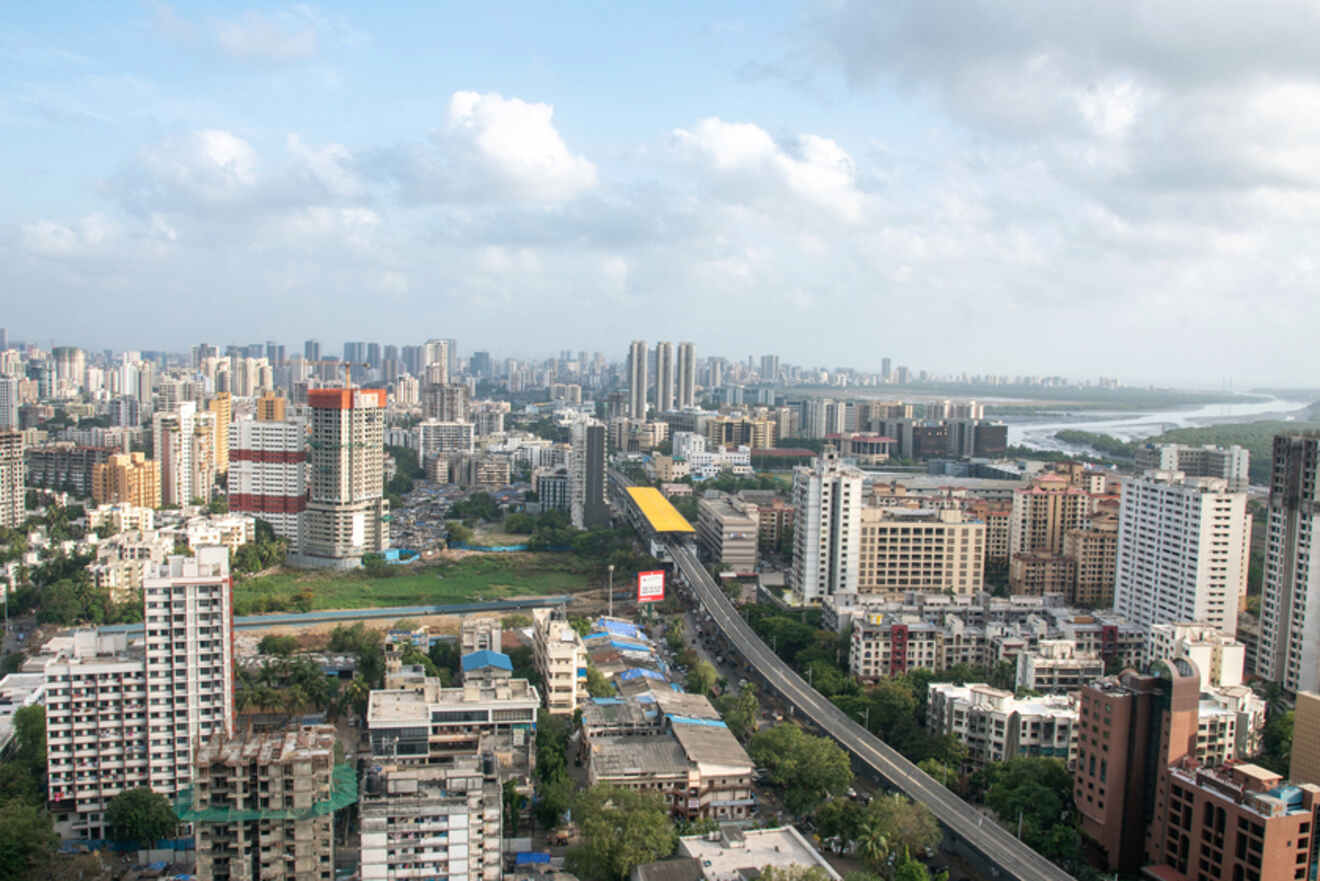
column 344, row 791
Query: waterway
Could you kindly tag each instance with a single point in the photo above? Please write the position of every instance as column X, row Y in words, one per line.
column 1131, row 426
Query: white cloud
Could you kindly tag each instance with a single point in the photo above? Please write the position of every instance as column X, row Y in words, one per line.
column 750, row 166
column 289, row 35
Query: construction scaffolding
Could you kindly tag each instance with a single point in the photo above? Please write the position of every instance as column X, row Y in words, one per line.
column 344, row 792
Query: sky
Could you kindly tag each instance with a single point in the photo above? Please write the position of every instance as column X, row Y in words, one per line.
column 1128, row 188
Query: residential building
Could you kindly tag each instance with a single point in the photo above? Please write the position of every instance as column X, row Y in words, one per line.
column 1288, row 652
column 120, row 716
column 995, row 726
column 445, row 402
column 1231, row 463
column 431, row 822
column 1042, row 515
column 727, row 855
column 756, row 433
column 122, row 517
column 774, row 516
column 13, row 496
column 268, row 473
column 1041, row 574
column 127, row 479
column 479, row 633
column 1304, row 764
column 827, row 497
column 637, row 379
column 902, row 549
column 685, row 376
column 175, row 444
column 436, row 438
column 263, row 804
column 1092, row 556
column 123, row 561
column 561, row 659
column 728, row 531
column 63, row 466
column 587, row 502
column 1183, row 546
column 221, row 406
column 1056, row 667
column 271, row 407
column 10, row 398
column 346, row 510
column 1219, row 658
column 1235, row 821
column 996, row 515
column 664, row 377
column 416, row 720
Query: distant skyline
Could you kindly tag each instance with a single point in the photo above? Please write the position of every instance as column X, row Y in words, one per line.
column 1045, row 187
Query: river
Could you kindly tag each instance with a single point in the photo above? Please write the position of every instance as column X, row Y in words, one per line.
column 1130, row 426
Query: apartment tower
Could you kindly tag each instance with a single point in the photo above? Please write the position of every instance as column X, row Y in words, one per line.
column 637, row 379
column 1289, row 652
column 346, row 509
column 1183, row 545
column 12, row 494
column 827, row 497
column 664, row 377
column 268, row 473
column 685, row 376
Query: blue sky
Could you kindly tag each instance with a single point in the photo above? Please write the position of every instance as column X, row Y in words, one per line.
column 1020, row 187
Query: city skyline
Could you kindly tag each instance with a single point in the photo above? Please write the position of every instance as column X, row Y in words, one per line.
column 751, row 175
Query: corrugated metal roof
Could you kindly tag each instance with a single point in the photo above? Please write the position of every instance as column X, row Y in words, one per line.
column 662, row 516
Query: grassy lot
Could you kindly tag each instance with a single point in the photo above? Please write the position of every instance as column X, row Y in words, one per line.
column 473, row 578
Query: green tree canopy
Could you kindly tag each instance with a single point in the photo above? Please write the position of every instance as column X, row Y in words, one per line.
column 275, row 644
column 740, row 711
column 598, row 684
column 702, row 677
column 140, row 815
column 27, row 839
column 809, row 769
column 621, row 829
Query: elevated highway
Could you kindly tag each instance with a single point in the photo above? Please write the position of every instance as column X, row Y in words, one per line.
column 990, row 841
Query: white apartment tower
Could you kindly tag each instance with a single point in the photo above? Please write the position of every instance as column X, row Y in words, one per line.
column 268, row 472
column 685, row 376
column 172, row 434
column 827, row 535
column 637, row 379
column 664, row 377
column 1183, row 545
column 1289, row 650
column 12, row 494
column 9, row 401
column 346, row 509
column 121, row 716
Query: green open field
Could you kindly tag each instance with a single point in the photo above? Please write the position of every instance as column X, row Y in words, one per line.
column 473, row 578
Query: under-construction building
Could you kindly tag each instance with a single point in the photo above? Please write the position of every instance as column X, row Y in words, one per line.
column 263, row 805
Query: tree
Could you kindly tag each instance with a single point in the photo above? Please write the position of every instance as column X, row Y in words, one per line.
column 809, row 769
column 30, row 734
column 598, row 685
column 27, row 839
column 553, row 799
column 458, row 533
column 839, row 818
column 140, row 815
column 514, row 802
column 274, row 644
column 794, row 873
column 910, row 827
column 621, row 829
column 701, row 678
column 740, row 711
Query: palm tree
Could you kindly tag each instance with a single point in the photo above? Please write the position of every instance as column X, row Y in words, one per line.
column 873, row 844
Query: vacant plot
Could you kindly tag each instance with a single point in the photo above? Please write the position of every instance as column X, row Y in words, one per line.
column 475, row 577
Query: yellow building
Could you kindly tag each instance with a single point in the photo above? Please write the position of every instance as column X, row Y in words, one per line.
column 271, row 408
column 222, row 406
column 1305, row 766
column 740, row 431
column 127, row 478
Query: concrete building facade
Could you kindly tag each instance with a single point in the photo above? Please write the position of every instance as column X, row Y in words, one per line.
column 1288, row 652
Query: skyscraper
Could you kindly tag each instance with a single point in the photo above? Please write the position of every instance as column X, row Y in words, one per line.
column 587, row 505
column 685, row 375
column 664, row 377
column 11, row 479
column 171, row 446
column 827, row 497
column 637, row 379
column 9, row 402
column 435, row 351
column 1289, row 652
column 268, row 472
column 312, row 350
column 222, row 406
column 1183, row 544
column 769, row 368
column 345, row 515
column 886, row 368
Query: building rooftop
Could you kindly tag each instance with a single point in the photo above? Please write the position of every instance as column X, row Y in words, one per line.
column 733, row 854
column 711, row 746
column 658, row 754
column 269, row 747
column 486, row 658
column 657, row 510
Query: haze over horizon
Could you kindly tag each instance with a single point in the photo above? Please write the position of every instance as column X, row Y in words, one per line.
column 1035, row 187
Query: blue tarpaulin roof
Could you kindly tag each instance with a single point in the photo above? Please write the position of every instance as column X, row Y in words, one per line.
column 638, row 671
column 688, row 720
column 620, row 628
column 529, row 856
column 486, row 658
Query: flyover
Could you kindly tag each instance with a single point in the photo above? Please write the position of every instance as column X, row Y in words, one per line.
column 994, row 844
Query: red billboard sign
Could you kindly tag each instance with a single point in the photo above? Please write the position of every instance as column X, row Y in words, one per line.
column 651, row 586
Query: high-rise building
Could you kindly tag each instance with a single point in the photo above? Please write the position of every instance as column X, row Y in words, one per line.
column 127, row 479
column 769, row 368
column 172, row 448
column 271, row 408
column 587, row 500
column 1183, row 545
column 886, row 368
column 685, row 376
column 902, row 549
column 445, row 402
column 263, row 805
column 346, row 509
column 1304, row 760
column 1288, row 652
column 561, row 659
column 122, row 716
column 70, row 367
column 222, row 406
column 436, row 438
column 436, row 352
column 827, row 497
column 1231, row 463
column 312, row 350
column 12, row 494
column 268, row 473
column 637, row 379
column 480, row 365
column 664, row 377
column 9, row 401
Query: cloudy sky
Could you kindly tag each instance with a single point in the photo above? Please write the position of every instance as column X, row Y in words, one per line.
column 1127, row 187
